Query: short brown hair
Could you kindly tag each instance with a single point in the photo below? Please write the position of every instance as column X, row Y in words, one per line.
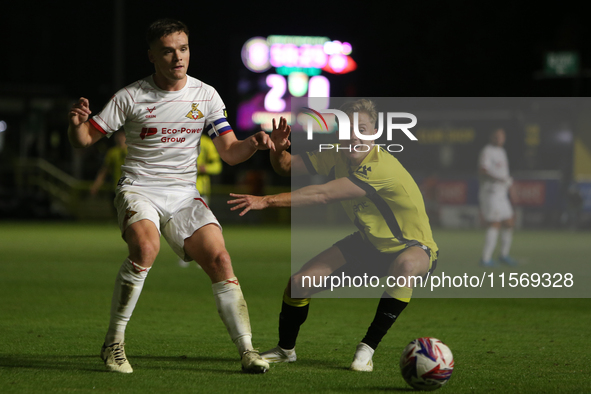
column 164, row 27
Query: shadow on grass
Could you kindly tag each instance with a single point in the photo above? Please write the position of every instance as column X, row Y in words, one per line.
column 326, row 364
column 94, row 364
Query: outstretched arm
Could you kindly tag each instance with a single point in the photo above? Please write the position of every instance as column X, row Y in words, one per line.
column 82, row 133
column 337, row 190
column 234, row 151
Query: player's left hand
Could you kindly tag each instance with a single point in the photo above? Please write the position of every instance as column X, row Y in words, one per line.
column 262, row 141
column 247, row 202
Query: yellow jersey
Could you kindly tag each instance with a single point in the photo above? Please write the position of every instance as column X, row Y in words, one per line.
column 210, row 159
column 392, row 213
column 114, row 159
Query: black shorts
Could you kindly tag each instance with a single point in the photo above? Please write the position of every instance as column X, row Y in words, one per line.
column 363, row 258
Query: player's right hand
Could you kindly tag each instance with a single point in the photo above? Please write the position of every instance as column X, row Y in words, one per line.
column 79, row 112
column 247, row 202
column 280, row 135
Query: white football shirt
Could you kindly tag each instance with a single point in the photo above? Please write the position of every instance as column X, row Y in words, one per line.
column 163, row 129
column 494, row 160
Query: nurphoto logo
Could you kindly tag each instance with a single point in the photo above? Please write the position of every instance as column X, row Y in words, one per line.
column 344, row 126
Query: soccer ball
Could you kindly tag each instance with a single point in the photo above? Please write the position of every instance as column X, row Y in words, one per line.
column 426, row 364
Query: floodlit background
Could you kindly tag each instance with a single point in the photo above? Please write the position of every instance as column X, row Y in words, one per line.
column 60, row 247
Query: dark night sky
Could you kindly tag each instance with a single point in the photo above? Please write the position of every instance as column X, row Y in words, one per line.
column 402, row 49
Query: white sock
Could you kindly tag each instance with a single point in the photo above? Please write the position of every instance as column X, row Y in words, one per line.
column 506, row 239
column 234, row 312
column 128, row 287
column 490, row 242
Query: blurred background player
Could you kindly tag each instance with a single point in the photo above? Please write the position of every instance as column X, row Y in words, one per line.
column 111, row 168
column 164, row 115
column 395, row 237
column 495, row 206
column 208, row 163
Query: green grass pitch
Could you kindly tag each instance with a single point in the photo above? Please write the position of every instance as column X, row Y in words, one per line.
column 55, row 288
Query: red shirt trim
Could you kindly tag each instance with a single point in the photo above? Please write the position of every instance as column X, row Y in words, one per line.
column 96, row 125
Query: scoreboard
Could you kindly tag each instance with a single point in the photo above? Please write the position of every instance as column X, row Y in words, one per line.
column 279, row 67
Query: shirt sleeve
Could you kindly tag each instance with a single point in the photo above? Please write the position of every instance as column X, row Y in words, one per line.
column 319, row 162
column 216, row 122
column 114, row 114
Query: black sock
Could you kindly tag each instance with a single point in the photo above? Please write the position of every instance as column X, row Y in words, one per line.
column 290, row 320
column 388, row 311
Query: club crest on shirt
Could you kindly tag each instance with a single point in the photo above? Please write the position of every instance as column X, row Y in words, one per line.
column 363, row 170
column 194, row 113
